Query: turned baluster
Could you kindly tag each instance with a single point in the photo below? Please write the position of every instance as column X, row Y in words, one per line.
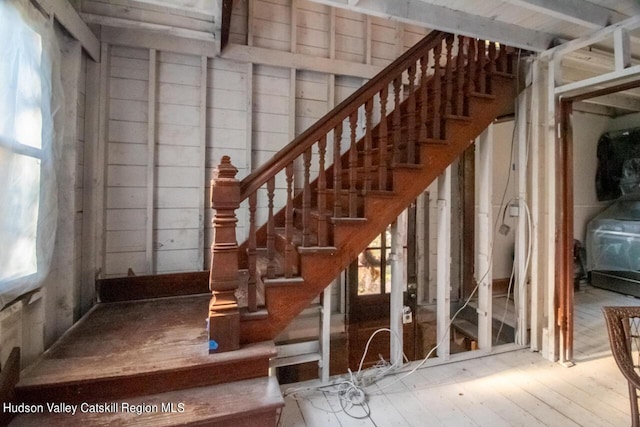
column 271, row 230
column 251, row 254
column 288, row 223
column 481, row 82
column 224, row 317
column 502, row 59
column 337, row 171
column 383, row 140
column 368, row 142
column 411, row 116
column 322, row 193
column 424, row 101
column 448, row 75
column 397, row 125
column 460, row 103
column 470, row 78
column 306, row 199
column 353, row 167
column 491, row 66
column 437, row 93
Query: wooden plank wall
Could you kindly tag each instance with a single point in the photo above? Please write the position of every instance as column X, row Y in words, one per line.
column 181, row 113
column 127, row 162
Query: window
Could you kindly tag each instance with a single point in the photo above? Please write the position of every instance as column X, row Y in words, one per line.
column 27, row 181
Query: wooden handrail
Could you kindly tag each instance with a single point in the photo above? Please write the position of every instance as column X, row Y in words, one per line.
column 329, row 121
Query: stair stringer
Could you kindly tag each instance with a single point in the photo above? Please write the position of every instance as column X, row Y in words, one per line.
column 285, row 300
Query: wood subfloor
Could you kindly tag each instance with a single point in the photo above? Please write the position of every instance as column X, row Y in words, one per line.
column 517, row 388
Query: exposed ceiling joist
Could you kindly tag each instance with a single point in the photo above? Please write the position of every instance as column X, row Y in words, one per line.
column 617, row 100
column 579, row 12
column 441, row 18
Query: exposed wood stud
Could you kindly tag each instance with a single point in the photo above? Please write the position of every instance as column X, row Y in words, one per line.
column 202, row 250
column 151, row 164
column 444, row 264
column 484, row 274
column 101, row 165
column 93, row 158
column 622, row 51
column 368, row 40
column 250, row 15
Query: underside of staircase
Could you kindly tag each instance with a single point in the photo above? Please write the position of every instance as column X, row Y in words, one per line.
column 322, row 199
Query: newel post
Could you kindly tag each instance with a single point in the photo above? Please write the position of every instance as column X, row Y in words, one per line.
column 224, row 318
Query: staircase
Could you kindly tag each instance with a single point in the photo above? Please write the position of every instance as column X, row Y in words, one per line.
column 321, row 200
column 326, row 195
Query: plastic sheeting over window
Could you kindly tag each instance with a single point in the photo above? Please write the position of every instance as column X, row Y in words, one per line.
column 30, row 97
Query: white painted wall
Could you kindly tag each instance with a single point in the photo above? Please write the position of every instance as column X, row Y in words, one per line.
column 587, row 129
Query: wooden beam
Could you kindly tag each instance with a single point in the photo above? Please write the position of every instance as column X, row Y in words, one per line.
column 484, row 233
column 578, row 12
column 617, row 100
column 145, row 26
column 442, row 18
column 159, row 41
column 262, row 56
column 443, row 260
column 92, row 160
column 613, row 81
column 202, row 249
column 227, row 8
column 67, row 16
column 398, row 284
column 629, row 24
column 101, row 164
column 151, row 13
column 537, row 290
column 522, row 237
column 151, row 161
column 622, row 53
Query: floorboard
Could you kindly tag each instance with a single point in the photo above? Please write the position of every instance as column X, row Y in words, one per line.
column 517, row 388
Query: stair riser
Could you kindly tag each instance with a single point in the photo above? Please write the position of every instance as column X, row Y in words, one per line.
column 108, row 389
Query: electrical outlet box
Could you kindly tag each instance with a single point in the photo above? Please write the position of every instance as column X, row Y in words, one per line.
column 514, row 211
column 407, row 315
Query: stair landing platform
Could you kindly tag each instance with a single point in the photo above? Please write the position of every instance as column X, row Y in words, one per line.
column 138, row 348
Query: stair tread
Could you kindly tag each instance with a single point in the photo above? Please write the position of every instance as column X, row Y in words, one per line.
column 130, row 339
column 212, row 404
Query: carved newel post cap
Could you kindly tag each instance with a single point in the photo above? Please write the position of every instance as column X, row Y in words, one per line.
column 225, row 169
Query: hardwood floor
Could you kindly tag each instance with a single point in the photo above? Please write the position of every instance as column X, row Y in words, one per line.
column 516, row 388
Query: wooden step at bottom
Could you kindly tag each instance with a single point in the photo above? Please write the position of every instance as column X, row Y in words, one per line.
column 127, row 349
column 248, row 403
